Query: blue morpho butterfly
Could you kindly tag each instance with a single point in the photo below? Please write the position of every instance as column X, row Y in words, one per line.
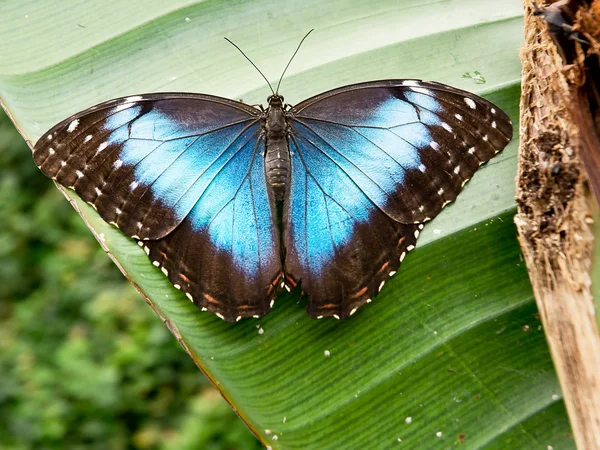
column 236, row 203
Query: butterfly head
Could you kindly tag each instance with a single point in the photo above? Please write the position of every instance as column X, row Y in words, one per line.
column 275, row 100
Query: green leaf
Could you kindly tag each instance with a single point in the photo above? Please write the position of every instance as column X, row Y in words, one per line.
column 452, row 351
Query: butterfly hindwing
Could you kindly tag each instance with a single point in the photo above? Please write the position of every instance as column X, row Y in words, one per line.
column 182, row 174
column 338, row 243
column 370, row 162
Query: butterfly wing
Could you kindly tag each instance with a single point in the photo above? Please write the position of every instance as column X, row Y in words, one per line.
column 370, row 163
column 182, row 174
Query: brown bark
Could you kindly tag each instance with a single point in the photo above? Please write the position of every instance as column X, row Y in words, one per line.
column 557, row 158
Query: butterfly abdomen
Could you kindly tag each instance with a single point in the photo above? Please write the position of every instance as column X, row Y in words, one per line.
column 277, row 156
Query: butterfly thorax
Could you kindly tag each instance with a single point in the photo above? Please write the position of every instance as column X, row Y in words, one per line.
column 277, row 158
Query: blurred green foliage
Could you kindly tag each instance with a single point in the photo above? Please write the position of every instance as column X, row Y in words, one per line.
column 84, row 362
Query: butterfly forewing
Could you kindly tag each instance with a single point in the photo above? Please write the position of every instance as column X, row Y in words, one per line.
column 373, row 161
column 182, row 174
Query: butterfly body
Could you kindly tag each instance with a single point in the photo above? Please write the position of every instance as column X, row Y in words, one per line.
column 235, row 203
column 277, row 158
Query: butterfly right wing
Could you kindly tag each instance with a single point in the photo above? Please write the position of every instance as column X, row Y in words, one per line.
column 370, row 163
column 183, row 175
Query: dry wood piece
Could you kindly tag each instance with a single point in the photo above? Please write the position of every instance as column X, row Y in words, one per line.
column 559, row 152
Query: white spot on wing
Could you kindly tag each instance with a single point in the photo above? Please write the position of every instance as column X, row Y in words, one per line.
column 494, row 125
column 133, row 185
column 165, row 271
column 381, row 285
column 49, row 137
column 135, row 98
column 188, row 295
column 121, row 107
column 472, row 150
column 410, row 83
column 470, row 103
column 155, row 263
column 118, row 163
column 79, row 173
column 446, row 127
column 392, row 273
column 88, row 138
column 422, row 168
column 63, row 163
column 434, row 145
column 51, row 151
column 456, row 170
column 458, row 116
column 73, row 125
column 102, row 147
column 421, row 90
column 98, row 191
column 410, row 247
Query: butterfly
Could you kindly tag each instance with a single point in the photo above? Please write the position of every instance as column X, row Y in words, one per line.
column 235, row 203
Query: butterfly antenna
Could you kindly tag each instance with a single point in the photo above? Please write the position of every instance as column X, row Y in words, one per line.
column 290, row 61
column 262, row 74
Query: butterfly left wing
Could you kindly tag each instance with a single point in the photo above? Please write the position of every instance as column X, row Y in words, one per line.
column 370, row 163
column 182, row 174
